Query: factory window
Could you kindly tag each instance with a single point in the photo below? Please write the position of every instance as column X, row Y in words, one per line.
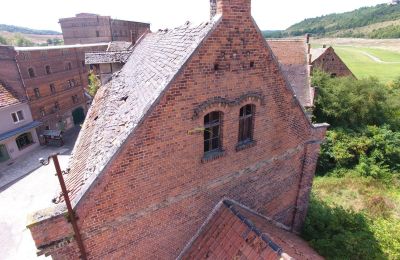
column 56, row 106
column 31, row 73
column 37, row 92
column 48, row 70
column 97, row 34
column 42, row 112
column 52, row 89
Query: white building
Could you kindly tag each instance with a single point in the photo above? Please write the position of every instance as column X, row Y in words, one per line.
column 17, row 128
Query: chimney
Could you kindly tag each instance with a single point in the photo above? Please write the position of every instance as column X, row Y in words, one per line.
column 213, row 8
column 231, row 8
column 307, row 38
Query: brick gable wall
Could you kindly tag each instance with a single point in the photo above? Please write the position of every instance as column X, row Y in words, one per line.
column 331, row 63
column 157, row 192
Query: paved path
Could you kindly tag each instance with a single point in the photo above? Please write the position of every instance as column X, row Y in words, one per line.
column 378, row 60
column 31, row 193
column 29, row 162
column 32, row 187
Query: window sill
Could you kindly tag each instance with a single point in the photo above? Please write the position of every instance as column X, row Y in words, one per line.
column 245, row 145
column 211, row 156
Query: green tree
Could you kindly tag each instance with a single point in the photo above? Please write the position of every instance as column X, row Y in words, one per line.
column 3, row 40
column 94, row 84
column 21, row 41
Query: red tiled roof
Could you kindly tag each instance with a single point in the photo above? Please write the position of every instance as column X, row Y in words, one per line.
column 7, row 97
column 233, row 231
column 292, row 55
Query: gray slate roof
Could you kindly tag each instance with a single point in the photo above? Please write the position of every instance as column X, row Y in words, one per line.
column 121, row 104
column 119, row 46
column 117, row 52
column 107, row 57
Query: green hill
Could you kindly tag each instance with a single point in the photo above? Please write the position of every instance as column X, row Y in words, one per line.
column 381, row 21
column 24, row 30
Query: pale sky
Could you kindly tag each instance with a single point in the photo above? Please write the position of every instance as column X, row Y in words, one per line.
column 269, row 15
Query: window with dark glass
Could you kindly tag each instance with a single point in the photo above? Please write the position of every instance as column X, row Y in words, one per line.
column 42, row 112
column 24, row 140
column 48, row 69
column 246, row 123
column 75, row 99
column 56, row 106
column 97, row 34
column 31, row 73
column 212, row 132
column 17, row 116
column 52, row 88
column 37, row 92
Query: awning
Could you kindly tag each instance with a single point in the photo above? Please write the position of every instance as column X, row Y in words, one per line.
column 20, row 130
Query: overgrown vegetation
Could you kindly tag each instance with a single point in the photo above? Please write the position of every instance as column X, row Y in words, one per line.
column 94, row 84
column 348, row 24
column 355, row 209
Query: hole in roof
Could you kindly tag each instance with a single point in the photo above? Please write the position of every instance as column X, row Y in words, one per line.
column 124, row 98
column 97, row 117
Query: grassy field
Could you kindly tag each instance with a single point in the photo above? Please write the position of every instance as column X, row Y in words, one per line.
column 360, row 61
column 365, row 57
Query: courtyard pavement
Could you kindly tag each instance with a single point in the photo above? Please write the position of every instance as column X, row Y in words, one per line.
column 27, row 163
column 34, row 189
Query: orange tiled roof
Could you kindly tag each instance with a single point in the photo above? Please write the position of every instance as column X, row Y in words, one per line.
column 233, row 231
column 7, row 97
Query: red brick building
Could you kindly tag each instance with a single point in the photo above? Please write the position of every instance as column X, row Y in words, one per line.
column 93, row 28
column 197, row 114
column 328, row 61
column 52, row 78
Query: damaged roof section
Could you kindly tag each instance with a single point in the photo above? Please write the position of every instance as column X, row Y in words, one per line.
column 117, row 52
column 292, row 55
column 233, row 231
column 122, row 103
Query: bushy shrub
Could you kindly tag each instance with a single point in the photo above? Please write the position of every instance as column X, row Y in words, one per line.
column 352, row 103
column 337, row 233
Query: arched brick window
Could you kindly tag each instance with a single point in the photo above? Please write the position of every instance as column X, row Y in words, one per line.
column 212, row 132
column 246, row 123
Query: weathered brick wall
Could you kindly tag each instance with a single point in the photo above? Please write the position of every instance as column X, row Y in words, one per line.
column 9, row 74
column 331, row 63
column 157, row 192
column 83, row 29
column 58, row 59
column 128, row 31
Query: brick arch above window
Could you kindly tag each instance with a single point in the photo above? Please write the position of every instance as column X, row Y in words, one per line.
column 217, row 103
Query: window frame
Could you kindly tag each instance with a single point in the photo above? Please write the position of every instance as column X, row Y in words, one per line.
column 246, row 124
column 16, row 115
column 47, row 69
column 31, row 73
column 36, row 91
column 29, row 138
column 209, row 128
